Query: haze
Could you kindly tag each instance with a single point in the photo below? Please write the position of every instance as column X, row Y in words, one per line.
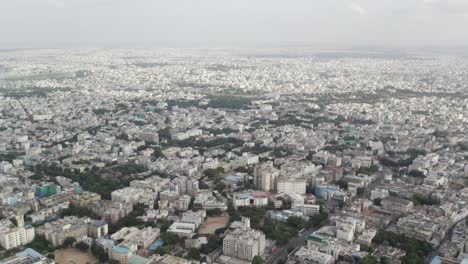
column 234, row 23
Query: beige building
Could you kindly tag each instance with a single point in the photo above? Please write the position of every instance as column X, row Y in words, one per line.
column 265, row 177
column 12, row 236
column 244, row 243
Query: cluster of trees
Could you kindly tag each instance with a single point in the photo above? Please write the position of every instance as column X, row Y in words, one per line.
column 281, row 152
column 229, row 102
column 422, row 200
column 78, row 211
column 416, row 250
column 41, row 245
column 368, row 171
column 278, row 231
column 99, row 253
column 411, row 155
column 90, row 179
column 374, row 260
column 10, row 156
column 226, row 143
column 129, row 220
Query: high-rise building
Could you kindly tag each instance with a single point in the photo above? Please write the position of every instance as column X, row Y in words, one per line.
column 12, row 236
column 265, row 177
column 291, row 186
column 244, row 243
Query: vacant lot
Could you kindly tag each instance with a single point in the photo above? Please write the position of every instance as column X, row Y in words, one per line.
column 212, row 223
column 74, row 256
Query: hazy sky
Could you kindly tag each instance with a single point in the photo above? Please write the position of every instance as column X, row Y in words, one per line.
column 210, row 23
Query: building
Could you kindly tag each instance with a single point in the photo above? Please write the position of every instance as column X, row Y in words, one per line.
column 244, row 243
column 255, row 199
column 111, row 212
column 307, row 255
column 266, row 177
column 98, row 229
column 84, row 199
column 127, row 195
column 169, row 259
column 120, row 254
column 57, row 231
column 187, row 225
column 306, row 209
column 12, row 236
column 291, row 186
column 396, row 204
column 142, row 238
column 27, row 256
column 47, row 189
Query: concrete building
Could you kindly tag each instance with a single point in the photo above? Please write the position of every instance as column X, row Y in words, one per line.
column 396, row 204
column 12, row 236
column 265, row 177
column 256, row 199
column 244, row 243
column 291, row 186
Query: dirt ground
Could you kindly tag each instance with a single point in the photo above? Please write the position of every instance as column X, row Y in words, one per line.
column 212, row 223
column 74, row 256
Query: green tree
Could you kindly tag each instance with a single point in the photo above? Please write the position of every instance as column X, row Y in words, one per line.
column 257, row 260
column 82, row 246
column 194, row 253
column 99, row 252
column 69, row 241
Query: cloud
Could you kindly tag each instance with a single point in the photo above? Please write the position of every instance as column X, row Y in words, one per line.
column 358, row 9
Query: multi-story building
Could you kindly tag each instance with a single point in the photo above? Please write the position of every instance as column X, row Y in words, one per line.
column 309, row 256
column 142, row 238
column 27, row 256
column 184, row 185
column 127, row 195
column 396, row 204
column 291, row 186
column 306, row 209
column 255, row 199
column 266, row 176
column 12, row 236
column 154, row 183
column 98, row 229
column 120, row 254
column 84, row 199
column 244, row 243
column 71, row 226
column 111, row 212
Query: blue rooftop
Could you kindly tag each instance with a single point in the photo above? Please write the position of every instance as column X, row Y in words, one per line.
column 29, row 252
column 436, row 260
column 120, row 249
column 98, row 223
column 233, row 178
column 156, row 244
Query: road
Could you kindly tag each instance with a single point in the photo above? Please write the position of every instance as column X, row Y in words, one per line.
column 282, row 252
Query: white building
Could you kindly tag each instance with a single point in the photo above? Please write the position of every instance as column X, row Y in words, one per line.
column 265, row 177
column 244, row 243
column 12, row 236
column 291, row 186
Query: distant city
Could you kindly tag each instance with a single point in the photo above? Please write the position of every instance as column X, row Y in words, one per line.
column 187, row 156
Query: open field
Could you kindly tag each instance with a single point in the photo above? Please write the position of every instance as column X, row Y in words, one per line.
column 212, row 223
column 74, row 256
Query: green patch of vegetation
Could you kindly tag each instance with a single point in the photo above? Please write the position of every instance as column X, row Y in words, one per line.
column 41, row 245
column 368, row 170
column 229, row 102
column 421, row 200
column 416, row 250
column 78, row 212
column 10, row 156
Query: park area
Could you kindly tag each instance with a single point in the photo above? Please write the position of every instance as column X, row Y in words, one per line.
column 74, row 256
column 212, row 223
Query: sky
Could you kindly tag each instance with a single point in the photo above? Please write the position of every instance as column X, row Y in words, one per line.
column 232, row 23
